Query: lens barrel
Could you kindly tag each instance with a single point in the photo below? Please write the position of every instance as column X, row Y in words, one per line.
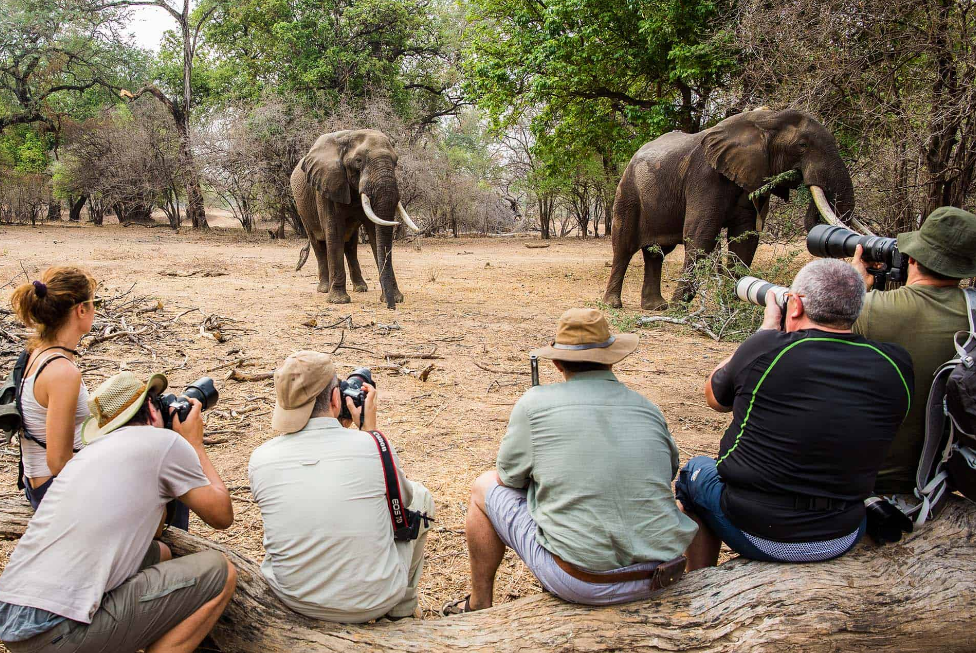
column 203, row 390
column 753, row 290
column 829, row 241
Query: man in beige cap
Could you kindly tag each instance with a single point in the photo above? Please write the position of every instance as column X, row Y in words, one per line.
column 87, row 575
column 922, row 316
column 582, row 485
column 328, row 534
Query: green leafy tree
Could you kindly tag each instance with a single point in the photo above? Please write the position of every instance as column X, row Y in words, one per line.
column 597, row 77
column 320, row 51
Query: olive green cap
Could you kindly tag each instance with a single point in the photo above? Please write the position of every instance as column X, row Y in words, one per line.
column 946, row 243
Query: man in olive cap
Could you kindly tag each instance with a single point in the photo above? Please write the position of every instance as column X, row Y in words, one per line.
column 582, row 485
column 922, row 317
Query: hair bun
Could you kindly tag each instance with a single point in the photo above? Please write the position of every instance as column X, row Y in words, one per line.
column 40, row 289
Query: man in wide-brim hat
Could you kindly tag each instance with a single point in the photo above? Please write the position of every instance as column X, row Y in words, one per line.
column 582, row 485
column 922, row 316
column 87, row 575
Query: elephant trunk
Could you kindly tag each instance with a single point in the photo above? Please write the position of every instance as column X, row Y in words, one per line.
column 383, row 197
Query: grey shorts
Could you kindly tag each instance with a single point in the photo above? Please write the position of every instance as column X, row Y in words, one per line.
column 508, row 511
column 139, row 611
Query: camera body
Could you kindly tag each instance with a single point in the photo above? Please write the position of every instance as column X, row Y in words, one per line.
column 352, row 387
column 827, row 241
column 202, row 390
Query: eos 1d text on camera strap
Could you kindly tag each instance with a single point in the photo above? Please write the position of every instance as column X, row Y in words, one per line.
column 406, row 525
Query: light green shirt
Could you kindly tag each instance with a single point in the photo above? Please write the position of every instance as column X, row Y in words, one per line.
column 597, row 461
column 922, row 319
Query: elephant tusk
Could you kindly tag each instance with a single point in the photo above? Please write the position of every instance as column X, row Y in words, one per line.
column 406, row 218
column 824, row 206
column 828, row 213
column 367, row 207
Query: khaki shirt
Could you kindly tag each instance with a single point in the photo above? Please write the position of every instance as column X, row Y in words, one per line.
column 922, row 319
column 597, row 461
column 328, row 535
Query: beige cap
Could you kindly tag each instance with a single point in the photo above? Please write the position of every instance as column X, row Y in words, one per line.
column 115, row 401
column 584, row 335
column 300, row 379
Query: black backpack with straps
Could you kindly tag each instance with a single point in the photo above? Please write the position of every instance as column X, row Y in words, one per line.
column 11, row 411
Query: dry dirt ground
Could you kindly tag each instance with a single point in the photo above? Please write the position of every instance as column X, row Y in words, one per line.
column 469, row 303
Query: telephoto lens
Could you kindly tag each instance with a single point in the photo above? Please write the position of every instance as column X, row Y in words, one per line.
column 352, row 387
column 828, row 241
column 753, row 290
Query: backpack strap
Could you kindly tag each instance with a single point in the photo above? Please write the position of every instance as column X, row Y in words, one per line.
column 20, row 409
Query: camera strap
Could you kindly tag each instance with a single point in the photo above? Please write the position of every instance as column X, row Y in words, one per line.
column 394, row 498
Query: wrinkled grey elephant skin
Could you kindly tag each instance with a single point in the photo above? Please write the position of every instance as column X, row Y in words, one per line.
column 685, row 188
column 347, row 177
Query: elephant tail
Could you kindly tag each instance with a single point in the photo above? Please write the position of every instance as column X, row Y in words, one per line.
column 303, row 255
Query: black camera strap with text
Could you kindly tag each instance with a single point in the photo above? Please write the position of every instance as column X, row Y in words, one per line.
column 394, row 498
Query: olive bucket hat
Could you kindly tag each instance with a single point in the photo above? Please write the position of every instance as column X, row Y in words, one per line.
column 583, row 335
column 946, row 243
column 116, row 401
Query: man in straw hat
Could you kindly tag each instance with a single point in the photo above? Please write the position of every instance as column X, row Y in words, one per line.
column 582, row 485
column 328, row 534
column 814, row 408
column 922, row 316
column 87, row 575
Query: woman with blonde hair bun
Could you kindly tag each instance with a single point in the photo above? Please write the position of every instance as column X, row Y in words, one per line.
column 60, row 308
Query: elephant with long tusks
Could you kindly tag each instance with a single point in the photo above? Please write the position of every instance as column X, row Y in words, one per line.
column 685, row 188
column 348, row 180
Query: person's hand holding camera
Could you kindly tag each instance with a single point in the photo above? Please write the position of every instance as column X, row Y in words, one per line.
column 369, row 406
column 773, row 315
column 864, row 267
column 192, row 428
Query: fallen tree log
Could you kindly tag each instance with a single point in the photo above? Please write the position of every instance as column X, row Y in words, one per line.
column 917, row 595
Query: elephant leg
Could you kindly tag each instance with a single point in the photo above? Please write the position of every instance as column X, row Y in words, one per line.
column 703, row 224
column 322, row 261
column 743, row 241
column 651, row 298
column 334, row 245
column 625, row 244
column 352, row 260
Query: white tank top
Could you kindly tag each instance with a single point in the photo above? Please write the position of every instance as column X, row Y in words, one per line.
column 35, row 419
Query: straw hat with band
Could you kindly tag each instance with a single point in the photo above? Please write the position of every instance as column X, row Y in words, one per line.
column 583, row 335
column 116, row 401
column 300, row 379
column 945, row 244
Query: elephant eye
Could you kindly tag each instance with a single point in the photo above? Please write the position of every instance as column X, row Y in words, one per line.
column 803, row 146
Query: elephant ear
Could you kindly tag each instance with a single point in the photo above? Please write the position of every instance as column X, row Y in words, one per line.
column 323, row 167
column 738, row 148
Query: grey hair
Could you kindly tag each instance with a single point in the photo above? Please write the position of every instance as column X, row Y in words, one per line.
column 833, row 292
column 323, row 402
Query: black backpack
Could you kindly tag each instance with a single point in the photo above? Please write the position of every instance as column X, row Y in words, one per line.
column 11, row 415
column 948, row 459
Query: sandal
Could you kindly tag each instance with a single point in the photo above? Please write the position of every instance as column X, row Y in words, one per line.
column 459, row 606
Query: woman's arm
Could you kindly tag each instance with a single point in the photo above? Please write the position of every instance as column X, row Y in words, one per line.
column 61, row 382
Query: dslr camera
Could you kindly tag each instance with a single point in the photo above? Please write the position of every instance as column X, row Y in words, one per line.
column 352, row 387
column 828, row 241
column 202, row 390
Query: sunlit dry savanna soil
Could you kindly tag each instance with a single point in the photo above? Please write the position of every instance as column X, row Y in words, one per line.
column 475, row 306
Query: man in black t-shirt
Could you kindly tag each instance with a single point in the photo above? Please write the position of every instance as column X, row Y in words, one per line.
column 814, row 409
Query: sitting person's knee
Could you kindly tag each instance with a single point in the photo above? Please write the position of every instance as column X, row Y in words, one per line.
column 165, row 553
column 482, row 485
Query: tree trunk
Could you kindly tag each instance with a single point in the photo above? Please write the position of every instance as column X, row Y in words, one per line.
column 853, row 603
column 53, row 209
column 194, row 196
column 917, row 595
column 75, row 214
